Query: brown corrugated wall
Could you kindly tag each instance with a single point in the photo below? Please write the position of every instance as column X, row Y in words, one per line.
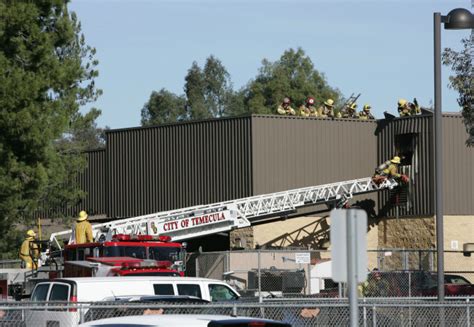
column 293, row 152
column 421, row 191
column 178, row 165
column 458, row 168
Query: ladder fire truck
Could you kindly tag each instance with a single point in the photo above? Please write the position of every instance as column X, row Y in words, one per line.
column 196, row 221
column 224, row 216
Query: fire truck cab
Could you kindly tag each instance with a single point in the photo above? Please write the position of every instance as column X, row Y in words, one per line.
column 125, row 255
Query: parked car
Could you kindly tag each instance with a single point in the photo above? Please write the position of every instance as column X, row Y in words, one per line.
column 422, row 283
column 185, row 320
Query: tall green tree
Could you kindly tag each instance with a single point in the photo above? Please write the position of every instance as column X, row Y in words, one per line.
column 46, row 73
column 195, row 88
column 163, row 107
column 293, row 75
column 461, row 63
column 218, row 87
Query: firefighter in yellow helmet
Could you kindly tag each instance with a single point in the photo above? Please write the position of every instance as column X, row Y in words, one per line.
column 389, row 169
column 327, row 110
column 350, row 111
column 365, row 114
column 404, row 108
column 29, row 252
column 83, row 229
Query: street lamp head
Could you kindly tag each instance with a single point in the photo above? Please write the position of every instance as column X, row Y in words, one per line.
column 459, row 19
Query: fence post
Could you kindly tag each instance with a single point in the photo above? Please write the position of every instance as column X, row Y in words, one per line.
column 374, row 316
column 468, row 313
column 365, row 313
column 259, row 277
column 81, row 313
column 234, row 309
column 197, row 266
column 309, row 279
column 405, row 260
column 409, row 284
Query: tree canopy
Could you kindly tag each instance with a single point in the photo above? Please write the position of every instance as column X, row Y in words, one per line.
column 293, row 75
column 463, row 81
column 209, row 93
column 46, row 72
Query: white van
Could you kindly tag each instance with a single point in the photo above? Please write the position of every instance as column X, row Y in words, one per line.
column 92, row 289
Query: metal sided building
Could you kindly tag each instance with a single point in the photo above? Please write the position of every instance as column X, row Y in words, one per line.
column 179, row 165
column 151, row 169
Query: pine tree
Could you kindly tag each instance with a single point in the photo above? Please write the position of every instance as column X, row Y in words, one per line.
column 46, row 72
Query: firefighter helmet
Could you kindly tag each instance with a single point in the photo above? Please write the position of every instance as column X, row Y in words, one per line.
column 395, row 160
column 329, row 102
column 402, row 102
column 31, row 233
column 82, row 216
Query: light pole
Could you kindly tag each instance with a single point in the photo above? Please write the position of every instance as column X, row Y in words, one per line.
column 456, row 19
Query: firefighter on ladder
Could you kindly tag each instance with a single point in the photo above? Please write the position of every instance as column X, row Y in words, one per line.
column 389, row 169
column 83, row 229
column 29, row 251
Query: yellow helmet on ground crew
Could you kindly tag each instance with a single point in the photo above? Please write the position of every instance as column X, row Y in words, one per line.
column 395, row 160
column 329, row 102
column 82, row 216
column 31, row 233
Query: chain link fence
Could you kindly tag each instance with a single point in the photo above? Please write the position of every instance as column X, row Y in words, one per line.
column 290, row 273
column 299, row 312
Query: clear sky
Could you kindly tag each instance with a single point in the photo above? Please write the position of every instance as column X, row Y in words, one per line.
column 380, row 48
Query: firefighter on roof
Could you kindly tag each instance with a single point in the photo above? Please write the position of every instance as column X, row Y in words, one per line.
column 285, row 108
column 350, row 111
column 83, row 229
column 365, row 114
column 29, row 251
column 406, row 108
column 308, row 109
column 327, row 110
column 403, row 108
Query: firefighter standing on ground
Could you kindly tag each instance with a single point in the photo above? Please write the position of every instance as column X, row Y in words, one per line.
column 29, row 252
column 83, row 229
column 285, row 108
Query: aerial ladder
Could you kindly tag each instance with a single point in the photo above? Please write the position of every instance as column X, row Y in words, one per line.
column 224, row 216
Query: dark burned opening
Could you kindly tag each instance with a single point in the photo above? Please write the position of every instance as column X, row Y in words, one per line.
column 405, row 147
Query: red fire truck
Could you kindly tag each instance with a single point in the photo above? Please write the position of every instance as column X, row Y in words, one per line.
column 125, row 255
